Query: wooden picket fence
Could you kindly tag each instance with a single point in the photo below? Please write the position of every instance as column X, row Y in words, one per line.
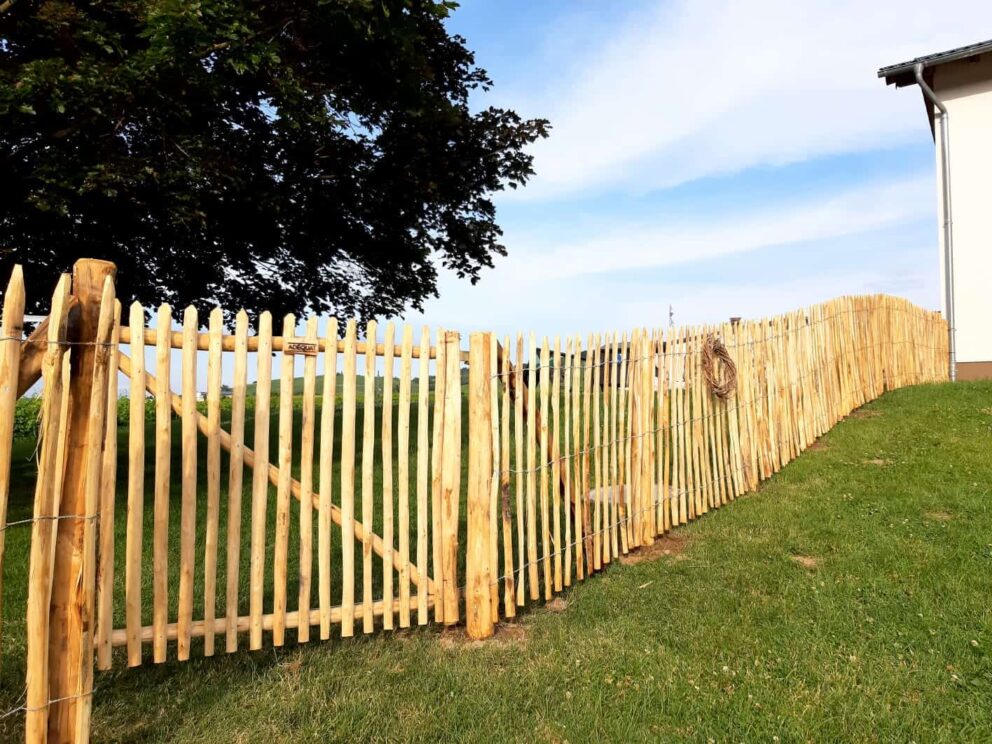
column 429, row 500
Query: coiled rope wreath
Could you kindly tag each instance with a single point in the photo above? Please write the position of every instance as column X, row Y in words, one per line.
column 722, row 379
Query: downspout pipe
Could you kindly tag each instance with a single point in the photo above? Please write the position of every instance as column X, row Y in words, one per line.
column 945, row 172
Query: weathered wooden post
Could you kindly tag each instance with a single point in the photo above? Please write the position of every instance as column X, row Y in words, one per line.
column 70, row 654
column 478, row 571
column 448, row 410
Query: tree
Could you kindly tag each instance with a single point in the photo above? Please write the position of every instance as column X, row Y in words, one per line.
column 317, row 156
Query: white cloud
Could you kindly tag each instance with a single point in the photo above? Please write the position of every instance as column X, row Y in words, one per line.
column 601, row 282
column 640, row 246
column 701, row 87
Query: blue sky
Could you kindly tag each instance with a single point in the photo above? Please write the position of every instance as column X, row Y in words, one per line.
column 719, row 157
column 724, row 158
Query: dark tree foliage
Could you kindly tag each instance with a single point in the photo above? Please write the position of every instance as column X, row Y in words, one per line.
column 294, row 156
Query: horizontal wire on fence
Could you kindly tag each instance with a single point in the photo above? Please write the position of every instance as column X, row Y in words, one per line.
column 62, row 342
column 31, row 709
column 49, row 518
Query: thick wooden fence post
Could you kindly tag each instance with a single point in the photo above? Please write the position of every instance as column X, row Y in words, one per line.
column 478, row 568
column 70, row 613
column 450, row 459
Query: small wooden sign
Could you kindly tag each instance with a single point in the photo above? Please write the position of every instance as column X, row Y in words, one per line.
column 300, row 347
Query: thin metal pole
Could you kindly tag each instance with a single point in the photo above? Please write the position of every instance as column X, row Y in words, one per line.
column 945, row 162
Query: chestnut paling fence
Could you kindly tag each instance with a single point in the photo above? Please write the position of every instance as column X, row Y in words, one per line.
column 392, row 489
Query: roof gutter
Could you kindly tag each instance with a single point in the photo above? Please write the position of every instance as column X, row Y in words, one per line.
column 945, row 184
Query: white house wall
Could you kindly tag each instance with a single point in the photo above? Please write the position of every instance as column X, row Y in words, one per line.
column 966, row 90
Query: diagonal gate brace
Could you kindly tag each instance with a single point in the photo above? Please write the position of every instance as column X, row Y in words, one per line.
column 378, row 546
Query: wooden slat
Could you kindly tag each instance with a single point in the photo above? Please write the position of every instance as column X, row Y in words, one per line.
column 368, row 475
column 328, row 404
column 403, row 473
column 623, row 442
column 675, row 418
column 387, row 477
column 135, row 489
column 349, row 396
column 610, row 537
column 584, row 538
column 531, row 469
column 672, row 374
column 693, row 425
column 636, row 439
column 108, row 493
column 509, row 583
column 280, row 551
column 440, row 372
column 707, row 437
column 596, row 454
column 260, row 481
column 611, row 466
column 11, row 330
column 661, row 423
column 187, row 536
column 235, row 483
column 423, row 460
column 648, row 531
column 699, row 424
column 494, row 481
column 307, row 426
column 623, row 439
column 576, row 495
column 520, row 466
column 163, row 467
column 213, row 478
column 54, row 413
column 451, row 475
column 567, row 459
column 555, row 462
column 543, row 467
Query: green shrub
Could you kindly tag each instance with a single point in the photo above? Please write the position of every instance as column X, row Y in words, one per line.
column 26, row 415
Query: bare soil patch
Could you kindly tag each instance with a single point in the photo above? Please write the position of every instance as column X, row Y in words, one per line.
column 807, row 561
column 506, row 634
column 819, row 445
column 667, row 545
column 865, row 413
column 939, row 516
column 877, row 461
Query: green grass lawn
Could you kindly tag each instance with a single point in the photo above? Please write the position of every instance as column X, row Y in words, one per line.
column 849, row 599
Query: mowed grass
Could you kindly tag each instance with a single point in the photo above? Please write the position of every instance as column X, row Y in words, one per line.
column 848, row 600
